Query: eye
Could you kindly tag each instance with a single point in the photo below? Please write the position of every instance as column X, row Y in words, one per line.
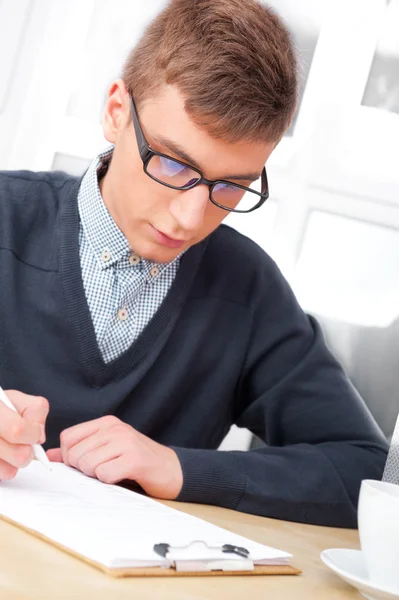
column 228, row 188
column 170, row 167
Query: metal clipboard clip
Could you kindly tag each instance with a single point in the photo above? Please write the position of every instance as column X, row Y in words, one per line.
column 237, row 558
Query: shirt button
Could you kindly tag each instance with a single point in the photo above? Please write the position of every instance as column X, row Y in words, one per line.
column 122, row 314
column 106, row 255
column 134, row 259
column 154, row 271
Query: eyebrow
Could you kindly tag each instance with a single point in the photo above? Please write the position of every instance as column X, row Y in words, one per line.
column 178, row 150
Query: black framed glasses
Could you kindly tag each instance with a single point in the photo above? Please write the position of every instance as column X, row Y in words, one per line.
column 178, row 175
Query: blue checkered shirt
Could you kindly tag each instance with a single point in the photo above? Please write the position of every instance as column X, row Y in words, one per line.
column 123, row 290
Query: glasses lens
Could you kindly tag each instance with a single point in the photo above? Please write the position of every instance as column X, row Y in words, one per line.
column 234, row 197
column 169, row 171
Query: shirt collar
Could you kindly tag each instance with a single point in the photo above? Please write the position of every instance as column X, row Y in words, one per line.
column 105, row 238
column 101, row 231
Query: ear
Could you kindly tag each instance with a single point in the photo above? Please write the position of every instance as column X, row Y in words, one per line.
column 116, row 111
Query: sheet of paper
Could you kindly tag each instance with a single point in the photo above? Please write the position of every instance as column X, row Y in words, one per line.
column 109, row 524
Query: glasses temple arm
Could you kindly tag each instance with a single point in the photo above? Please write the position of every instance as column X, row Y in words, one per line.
column 141, row 141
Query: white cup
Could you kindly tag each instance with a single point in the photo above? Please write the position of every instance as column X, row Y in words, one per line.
column 378, row 518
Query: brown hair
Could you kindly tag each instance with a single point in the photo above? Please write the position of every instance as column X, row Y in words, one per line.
column 233, row 61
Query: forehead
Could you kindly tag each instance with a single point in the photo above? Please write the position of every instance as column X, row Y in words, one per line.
column 164, row 116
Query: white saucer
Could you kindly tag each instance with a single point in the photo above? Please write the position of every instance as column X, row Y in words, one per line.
column 349, row 564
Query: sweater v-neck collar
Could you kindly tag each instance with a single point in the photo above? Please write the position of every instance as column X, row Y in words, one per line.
column 151, row 340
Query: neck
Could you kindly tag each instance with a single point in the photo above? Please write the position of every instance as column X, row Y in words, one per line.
column 105, row 184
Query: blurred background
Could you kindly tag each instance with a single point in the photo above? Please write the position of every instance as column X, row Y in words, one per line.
column 332, row 220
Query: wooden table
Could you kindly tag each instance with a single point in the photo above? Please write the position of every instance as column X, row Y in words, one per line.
column 33, row 569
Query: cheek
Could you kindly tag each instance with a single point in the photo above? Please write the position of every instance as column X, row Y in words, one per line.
column 212, row 218
column 154, row 197
column 142, row 195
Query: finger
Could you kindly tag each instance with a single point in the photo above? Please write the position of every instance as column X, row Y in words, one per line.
column 90, row 462
column 74, row 454
column 33, row 408
column 18, row 430
column 71, row 439
column 17, row 455
column 114, row 470
column 73, row 435
column 54, row 455
column 7, row 471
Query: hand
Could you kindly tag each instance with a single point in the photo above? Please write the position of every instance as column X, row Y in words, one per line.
column 111, row 450
column 19, row 430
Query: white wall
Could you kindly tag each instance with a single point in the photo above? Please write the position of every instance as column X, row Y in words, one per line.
column 332, row 221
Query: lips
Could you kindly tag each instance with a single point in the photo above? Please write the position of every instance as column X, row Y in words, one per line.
column 165, row 240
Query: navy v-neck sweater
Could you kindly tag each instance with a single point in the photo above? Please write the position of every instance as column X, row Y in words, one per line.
column 229, row 344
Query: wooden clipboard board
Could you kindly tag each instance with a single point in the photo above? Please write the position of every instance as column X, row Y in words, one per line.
column 157, row 571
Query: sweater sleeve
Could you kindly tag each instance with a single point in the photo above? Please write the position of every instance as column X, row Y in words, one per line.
column 321, row 439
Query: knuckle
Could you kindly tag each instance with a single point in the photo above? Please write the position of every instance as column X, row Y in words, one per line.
column 16, row 430
column 42, row 403
column 72, row 459
column 111, row 420
column 66, row 458
column 81, row 463
column 23, row 455
column 7, row 471
column 104, row 475
column 84, row 465
column 64, row 437
column 119, row 428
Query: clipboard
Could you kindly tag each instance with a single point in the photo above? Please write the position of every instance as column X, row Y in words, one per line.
column 157, row 571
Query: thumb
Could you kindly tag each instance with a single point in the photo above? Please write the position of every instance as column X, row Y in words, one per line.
column 54, row 455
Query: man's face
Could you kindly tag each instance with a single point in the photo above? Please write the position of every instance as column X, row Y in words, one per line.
column 160, row 222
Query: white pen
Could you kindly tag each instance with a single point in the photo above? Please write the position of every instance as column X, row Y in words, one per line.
column 37, row 449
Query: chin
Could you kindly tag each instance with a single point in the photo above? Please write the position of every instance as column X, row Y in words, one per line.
column 163, row 257
column 157, row 254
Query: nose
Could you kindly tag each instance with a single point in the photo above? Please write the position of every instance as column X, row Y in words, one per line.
column 188, row 207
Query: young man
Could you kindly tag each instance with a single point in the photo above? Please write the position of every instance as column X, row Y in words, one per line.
column 136, row 329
